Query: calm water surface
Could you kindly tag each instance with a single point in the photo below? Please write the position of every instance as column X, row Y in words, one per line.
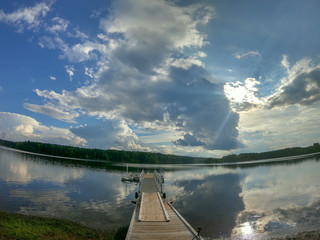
column 238, row 201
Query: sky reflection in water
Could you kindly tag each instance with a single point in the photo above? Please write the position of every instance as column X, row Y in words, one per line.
column 247, row 202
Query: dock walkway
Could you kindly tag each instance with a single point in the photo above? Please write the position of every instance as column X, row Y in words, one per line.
column 154, row 219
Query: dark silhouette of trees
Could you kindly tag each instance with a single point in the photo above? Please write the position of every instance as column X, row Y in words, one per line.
column 148, row 157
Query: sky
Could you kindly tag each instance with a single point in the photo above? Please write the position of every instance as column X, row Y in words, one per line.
column 196, row 78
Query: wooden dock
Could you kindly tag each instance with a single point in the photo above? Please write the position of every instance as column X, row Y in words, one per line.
column 155, row 219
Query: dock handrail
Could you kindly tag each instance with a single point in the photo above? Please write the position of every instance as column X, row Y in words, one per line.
column 141, row 180
column 158, row 179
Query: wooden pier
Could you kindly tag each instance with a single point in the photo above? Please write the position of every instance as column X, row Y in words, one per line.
column 155, row 219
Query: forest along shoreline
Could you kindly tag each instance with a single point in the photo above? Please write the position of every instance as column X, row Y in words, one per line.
column 118, row 156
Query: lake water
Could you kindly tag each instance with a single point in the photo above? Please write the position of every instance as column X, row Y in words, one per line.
column 237, row 201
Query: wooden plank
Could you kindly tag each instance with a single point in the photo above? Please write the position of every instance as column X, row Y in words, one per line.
column 148, row 175
column 184, row 221
column 131, row 224
column 151, row 209
column 175, row 229
column 154, row 219
column 140, row 209
column 163, row 208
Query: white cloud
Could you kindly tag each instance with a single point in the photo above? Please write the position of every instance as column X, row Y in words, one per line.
column 150, row 75
column 186, row 63
column 54, row 42
column 146, row 44
column 78, row 34
column 52, row 77
column 170, row 26
column 300, row 87
column 202, row 54
column 84, row 51
column 29, row 17
column 276, row 128
column 89, row 72
column 59, row 25
column 248, row 54
column 285, row 63
column 243, row 95
column 58, row 112
column 109, row 134
column 17, row 127
column 70, row 71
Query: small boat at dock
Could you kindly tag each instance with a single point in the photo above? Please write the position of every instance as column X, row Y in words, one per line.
column 130, row 177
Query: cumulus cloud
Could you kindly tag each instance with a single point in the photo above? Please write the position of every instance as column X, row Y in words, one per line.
column 301, row 86
column 17, row 127
column 151, row 77
column 189, row 140
column 243, row 96
column 147, row 42
column 84, row 51
column 109, row 134
column 28, row 17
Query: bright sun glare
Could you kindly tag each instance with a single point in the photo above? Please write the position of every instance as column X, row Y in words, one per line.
column 235, row 94
column 246, row 228
column 238, row 92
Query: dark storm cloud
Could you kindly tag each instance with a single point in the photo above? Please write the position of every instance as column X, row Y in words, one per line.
column 189, row 140
column 200, row 107
column 302, row 88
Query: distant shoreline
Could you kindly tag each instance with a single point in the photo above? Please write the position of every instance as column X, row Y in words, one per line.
column 119, row 156
column 271, row 160
column 53, row 156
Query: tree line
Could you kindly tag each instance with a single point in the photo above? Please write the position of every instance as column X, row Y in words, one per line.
column 99, row 154
column 287, row 152
column 149, row 157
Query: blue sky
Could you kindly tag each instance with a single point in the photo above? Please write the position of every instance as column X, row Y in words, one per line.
column 198, row 78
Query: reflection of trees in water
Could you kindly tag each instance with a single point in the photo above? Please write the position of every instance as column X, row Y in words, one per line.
column 212, row 203
column 272, row 162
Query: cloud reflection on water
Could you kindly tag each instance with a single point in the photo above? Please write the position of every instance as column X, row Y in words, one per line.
column 244, row 202
column 23, row 171
column 248, row 202
column 34, row 186
column 211, row 203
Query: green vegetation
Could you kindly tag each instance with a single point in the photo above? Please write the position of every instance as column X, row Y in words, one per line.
column 98, row 154
column 17, row 226
column 147, row 157
column 315, row 148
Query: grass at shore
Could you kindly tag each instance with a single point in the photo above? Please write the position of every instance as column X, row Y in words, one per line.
column 17, row 226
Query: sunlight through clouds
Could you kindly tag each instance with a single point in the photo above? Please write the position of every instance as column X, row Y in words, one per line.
column 243, row 95
column 179, row 77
